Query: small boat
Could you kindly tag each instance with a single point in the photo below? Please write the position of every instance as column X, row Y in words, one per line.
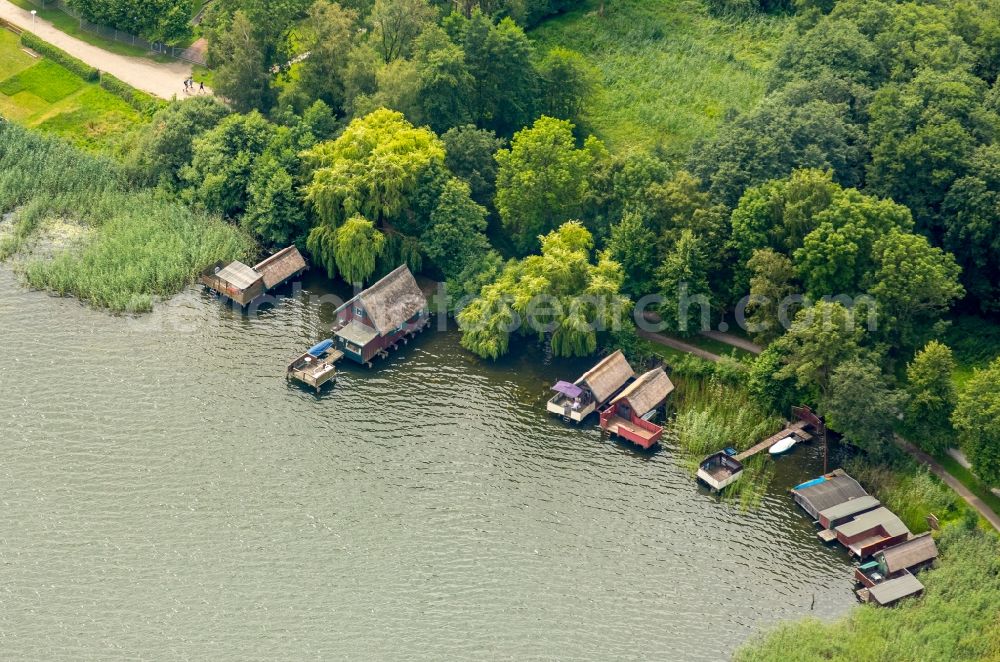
column 783, row 445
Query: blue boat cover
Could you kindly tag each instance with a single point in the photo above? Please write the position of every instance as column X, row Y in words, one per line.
column 810, row 483
column 320, row 348
column 567, row 389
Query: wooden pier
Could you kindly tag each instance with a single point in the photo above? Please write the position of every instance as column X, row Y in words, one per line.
column 797, row 428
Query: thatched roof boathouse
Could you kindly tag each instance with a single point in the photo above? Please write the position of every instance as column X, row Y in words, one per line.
column 576, row 401
column 380, row 318
column 627, row 415
column 243, row 284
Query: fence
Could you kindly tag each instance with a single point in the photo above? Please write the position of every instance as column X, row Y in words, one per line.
column 192, row 55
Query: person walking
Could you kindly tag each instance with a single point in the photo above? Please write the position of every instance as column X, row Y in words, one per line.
column 201, row 87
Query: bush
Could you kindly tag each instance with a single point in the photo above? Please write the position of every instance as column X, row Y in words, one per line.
column 144, row 103
column 59, row 56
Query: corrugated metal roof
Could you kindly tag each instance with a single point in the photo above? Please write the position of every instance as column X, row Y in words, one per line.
column 908, row 554
column 880, row 517
column 850, row 507
column 894, row 589
column 836, row 489
column 608, row 376
column 238, row 275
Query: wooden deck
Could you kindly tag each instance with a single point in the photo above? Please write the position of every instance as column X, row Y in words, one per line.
column 798, row 427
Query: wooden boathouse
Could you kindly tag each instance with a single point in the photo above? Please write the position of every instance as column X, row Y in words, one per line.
column 244, row 284
column 627, row 415
column 380, row 318
column 719, row 470
column 574, row 402
column 910, row 556
column 891, row 591
column 827, row 491
column 871, row 531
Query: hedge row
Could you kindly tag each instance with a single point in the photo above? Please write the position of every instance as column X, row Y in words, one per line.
column 78, row 67
column 144, row 103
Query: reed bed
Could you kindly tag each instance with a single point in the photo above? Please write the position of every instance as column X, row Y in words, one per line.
column 712, row 414
column 137, row 246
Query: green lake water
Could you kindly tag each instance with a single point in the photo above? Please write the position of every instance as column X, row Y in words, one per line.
column 164, row 494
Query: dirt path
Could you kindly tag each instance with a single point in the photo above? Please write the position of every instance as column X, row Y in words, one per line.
column 162, row 79
column 679, row 345
column 734, row 341
column 981, row 507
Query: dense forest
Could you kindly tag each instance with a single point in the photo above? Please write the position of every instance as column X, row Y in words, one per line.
column 850, row 215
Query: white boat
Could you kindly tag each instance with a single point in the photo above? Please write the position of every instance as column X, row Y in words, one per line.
column 782, row 445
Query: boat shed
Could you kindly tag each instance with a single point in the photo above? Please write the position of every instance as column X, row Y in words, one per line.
column 243, row 284
column 607, row 377
column 829, row 490
column 918, row 552
column 892, row 590
column 379, row 318
column 872, row 531
column 626, row 416
column 844, row 512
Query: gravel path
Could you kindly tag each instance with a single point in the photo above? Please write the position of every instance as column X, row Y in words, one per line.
column 162, row 79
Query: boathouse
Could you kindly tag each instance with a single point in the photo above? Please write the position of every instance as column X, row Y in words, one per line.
column 378, row 319
column 829, row 490
column 244, row 284
column 891, row 590
column 719, row 470
column 627, row 415
column 912, row 555
column 844, row 512
column 593, row 389
column 872, row 531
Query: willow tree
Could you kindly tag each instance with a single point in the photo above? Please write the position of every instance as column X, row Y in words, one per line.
column 559, row 294
column 356, row 248
column 370, row 170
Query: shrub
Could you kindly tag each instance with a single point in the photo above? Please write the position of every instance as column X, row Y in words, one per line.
column 144, row 103
column 59, row 56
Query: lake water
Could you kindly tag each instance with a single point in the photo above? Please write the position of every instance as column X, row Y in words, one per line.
column 165, row 494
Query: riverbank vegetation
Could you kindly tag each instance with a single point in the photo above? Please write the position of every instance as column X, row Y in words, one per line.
column 955, row 619
column 118, row 248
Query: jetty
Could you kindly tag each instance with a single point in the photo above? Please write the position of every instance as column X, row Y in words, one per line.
column 796, row 429
column 317, row 366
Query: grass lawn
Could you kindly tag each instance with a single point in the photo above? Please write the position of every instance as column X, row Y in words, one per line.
column 42, row 95
column 670, row 71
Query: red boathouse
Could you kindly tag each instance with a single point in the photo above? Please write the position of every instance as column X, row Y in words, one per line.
column 626, row 416
column 375, row 321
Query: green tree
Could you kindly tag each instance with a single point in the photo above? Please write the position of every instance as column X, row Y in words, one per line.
column 156, row 20
column 456, row 237
column 822, row 337
column 771, row 283
column 932, row 396
column 860, row 405
column 914, row 284
column 224, row 159
column 357, row 247
column 542, row 180
column 558, row 294
column 687, row 299
column 469, row 154
column 241, row 72
column 634, row 246
column 165, row 143
column 397, row 23
column 371, row 168
column 975, row 418
column 328, row 35
column 445, row 82
column 567, row 82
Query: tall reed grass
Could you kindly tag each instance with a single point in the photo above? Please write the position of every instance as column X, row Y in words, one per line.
column 138, row 246
column 712, row 414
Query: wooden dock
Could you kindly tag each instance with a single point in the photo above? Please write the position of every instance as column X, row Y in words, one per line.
column 797, row 428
